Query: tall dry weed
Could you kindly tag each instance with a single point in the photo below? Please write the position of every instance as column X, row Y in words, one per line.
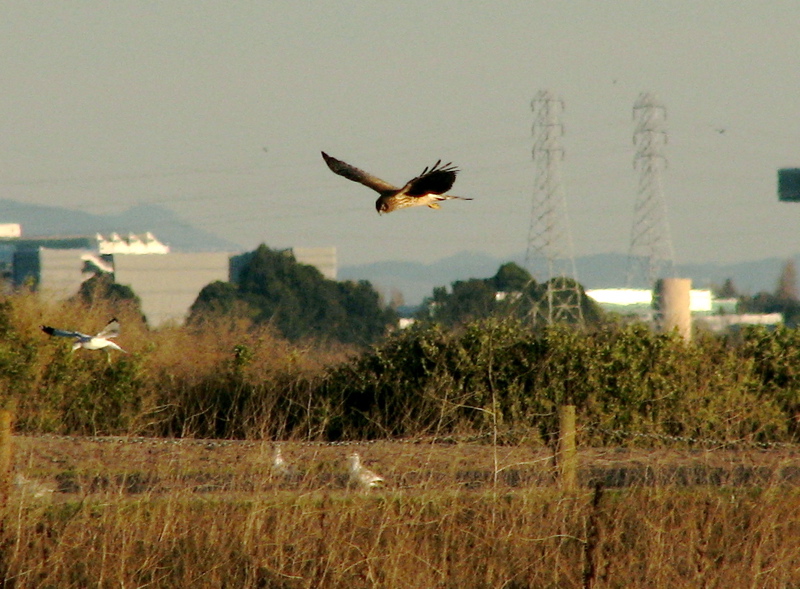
column 537, row 538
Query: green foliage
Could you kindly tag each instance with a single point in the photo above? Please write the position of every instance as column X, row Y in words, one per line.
column 787, row 283
column 765, row 302
column 511, row 278
column 273, row 288
column 775, row 358
column 219, row 299
column 102, row 286
column 624, row 381
column 84, row 394
column 728, row 290
column 511, row 292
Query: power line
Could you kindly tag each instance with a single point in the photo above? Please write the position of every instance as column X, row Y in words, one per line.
column 549, row 255
column 650, row 255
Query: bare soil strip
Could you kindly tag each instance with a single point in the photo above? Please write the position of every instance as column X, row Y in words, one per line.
column 74, row 465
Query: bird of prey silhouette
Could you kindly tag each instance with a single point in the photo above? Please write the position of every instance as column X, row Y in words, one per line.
column 101, row 341
column 427, row 189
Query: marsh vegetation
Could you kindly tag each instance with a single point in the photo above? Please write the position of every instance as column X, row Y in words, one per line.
column 689, row 457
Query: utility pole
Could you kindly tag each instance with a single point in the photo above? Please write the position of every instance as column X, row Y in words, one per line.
column 650, row 255
column 549, row 256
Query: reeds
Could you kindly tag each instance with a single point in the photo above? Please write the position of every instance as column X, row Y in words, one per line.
column 662, row 537
column 161, row 513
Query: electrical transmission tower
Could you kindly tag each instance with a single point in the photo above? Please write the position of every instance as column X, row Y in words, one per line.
column 650, row 255
column 549, row 255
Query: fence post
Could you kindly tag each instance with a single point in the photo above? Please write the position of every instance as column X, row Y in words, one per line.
column 567, row 455
column 6, row 454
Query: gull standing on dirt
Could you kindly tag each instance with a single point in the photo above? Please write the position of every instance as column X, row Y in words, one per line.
column 32, row 487
column 101, row 341
column 279, row 465
column 366, row 479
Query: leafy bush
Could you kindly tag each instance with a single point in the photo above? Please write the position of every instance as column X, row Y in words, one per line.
column 500, row 373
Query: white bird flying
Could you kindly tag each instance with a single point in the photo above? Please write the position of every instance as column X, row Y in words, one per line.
column 366, row 479
column 101, row 341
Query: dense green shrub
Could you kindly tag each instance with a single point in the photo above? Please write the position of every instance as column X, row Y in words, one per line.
column 775, row 357
column 624, row 381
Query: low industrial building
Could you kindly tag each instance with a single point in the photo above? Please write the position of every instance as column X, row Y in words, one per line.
column 712, row 313
column 167, row 283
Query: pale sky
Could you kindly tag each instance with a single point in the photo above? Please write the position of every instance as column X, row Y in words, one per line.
column 219, row 110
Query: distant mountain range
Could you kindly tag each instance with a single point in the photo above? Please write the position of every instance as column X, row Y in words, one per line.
column 45, row 221
column 417, row 281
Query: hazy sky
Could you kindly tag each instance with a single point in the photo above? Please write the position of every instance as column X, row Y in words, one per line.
column 219, row 110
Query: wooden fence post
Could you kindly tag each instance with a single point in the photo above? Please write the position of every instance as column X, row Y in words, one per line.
column 6, row 454
column 567, row 456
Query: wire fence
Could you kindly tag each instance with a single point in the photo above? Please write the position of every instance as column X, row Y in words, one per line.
column 480, row 438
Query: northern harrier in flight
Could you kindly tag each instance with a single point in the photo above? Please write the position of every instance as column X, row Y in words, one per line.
column 427, row 189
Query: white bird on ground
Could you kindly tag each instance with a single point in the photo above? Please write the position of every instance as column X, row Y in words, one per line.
column 279, row 464
column 364, row 478
column 101, row 341
column 32, row 487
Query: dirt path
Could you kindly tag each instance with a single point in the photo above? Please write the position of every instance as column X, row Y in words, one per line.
column 139, row 465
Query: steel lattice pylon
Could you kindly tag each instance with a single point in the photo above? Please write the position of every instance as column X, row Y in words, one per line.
column 549, row 256
column 650, row 255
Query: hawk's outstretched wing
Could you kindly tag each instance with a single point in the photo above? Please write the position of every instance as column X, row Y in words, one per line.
column 357, row 175
column 438, row 180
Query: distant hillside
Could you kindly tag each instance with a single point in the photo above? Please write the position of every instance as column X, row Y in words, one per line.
column 164, row 224
column 417, row 281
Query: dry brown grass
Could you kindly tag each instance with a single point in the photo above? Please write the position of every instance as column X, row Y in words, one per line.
column 533, row 538
column 174, row 380
column 162, row 513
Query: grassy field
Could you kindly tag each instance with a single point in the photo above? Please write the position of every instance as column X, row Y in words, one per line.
column 162, row 513
column 704, row 490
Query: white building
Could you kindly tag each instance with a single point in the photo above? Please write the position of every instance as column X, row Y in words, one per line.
column 322, row 258
column 131, row 244
column 10, row 230
column 168, row 285
column 724, row 322
column 640, row 301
